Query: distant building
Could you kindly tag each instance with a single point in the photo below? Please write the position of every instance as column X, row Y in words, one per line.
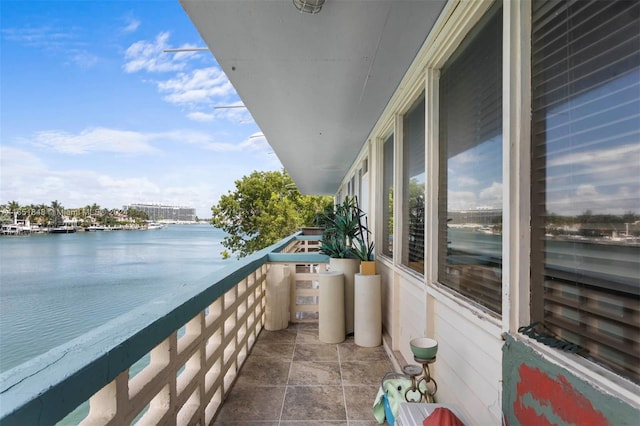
column 476, row 216
column 163, row 212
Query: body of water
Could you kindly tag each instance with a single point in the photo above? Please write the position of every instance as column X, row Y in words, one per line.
column 54, row 288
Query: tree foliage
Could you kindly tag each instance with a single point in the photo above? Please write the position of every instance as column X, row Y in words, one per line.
column 264, row 208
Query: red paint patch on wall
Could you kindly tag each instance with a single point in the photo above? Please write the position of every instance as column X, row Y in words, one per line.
column 557, row 394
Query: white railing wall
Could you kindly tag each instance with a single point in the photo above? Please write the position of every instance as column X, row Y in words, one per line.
column 207, row 356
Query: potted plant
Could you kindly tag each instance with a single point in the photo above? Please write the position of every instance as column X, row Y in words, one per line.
column 367, row 290
column 363, row 249
column 342, row 226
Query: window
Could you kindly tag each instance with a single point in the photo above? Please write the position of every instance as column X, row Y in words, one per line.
column 413, row 186
column 387, row 197
column 470, row 165
column 585, row 255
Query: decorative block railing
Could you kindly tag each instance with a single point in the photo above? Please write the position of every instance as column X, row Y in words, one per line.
column 196, row 341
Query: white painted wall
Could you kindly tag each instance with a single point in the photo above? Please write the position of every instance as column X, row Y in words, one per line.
column 468, row 368
column 469, row 362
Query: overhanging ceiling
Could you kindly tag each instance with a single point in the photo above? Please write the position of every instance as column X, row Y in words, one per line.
column 315, row 84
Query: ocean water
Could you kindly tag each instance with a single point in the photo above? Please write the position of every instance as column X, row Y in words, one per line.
column 54, row 288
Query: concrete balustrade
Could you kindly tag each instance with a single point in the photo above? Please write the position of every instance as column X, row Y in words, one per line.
column 196, row 340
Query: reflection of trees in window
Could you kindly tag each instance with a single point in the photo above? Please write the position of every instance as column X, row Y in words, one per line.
column 416, row 225
column 387, row 197
column 413, row 186
column 623, row 228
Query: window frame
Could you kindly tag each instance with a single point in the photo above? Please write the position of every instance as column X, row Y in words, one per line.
column 401, row 220
column 382, row 200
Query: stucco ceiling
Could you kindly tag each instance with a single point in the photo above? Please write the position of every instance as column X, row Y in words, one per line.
column 315, row 84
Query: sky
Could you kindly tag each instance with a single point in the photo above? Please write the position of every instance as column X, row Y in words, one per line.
column 92, row 110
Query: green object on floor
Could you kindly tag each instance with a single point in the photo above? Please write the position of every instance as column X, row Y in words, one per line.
column 393, row 391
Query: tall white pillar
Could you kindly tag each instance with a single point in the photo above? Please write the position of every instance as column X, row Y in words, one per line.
column 331, row 324
column 368, row 311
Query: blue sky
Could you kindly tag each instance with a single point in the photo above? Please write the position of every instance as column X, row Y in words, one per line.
column 93, row 111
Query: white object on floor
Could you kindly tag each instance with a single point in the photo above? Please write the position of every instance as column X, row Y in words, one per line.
column 414, row 413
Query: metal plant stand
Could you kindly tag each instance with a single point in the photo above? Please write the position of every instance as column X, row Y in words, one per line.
column 423, row 386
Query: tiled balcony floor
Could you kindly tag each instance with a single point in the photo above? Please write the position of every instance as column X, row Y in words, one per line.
column 291, row 378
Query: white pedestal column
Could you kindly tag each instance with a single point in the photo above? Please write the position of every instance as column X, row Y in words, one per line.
column 368, row 311
column 278, row 294
column 331, row 310
column 349, row 267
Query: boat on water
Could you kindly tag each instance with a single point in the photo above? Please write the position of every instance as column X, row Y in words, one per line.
column 156, row 225
column 62, row 230
column 14, row 229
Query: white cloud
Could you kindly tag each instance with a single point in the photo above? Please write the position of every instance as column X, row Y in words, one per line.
column 619, row 154
column 466, row 181
column 596, row 180
column 255, row 142
column 200, row 116
column 131, row 25
column 492, row 196
column 40, row 37
column 150, row 56
column 461, row 200
column 14, row 160
column 84, row 59
column 64, row 44
column 465, row 157
column 94, row 140
column 199, row 86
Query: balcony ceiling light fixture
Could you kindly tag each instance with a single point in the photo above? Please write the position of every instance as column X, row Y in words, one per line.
column 308, row 6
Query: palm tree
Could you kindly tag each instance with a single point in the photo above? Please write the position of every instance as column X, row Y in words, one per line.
column 56, row 207
column 14, row 208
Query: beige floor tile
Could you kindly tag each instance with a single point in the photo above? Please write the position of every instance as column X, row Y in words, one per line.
column 315, row 373
column 360, row 401
column 271, row 349
column 315, row 352
column 261, row 371
column 281, row 336
column 314, row 403
column 245, row 404
column 349, row 351
column 291, row 378
column 364, row 373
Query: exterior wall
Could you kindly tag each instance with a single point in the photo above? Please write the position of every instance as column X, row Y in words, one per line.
column 537, row 391
column 388, row 301
column 488, row 378
column 410, row 316
column 468, row 369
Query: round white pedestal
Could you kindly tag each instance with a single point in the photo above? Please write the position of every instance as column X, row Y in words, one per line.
column 331, row 310
column 349, row 267
column 368, row 311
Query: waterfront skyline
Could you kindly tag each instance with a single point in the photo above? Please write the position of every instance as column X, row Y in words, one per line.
column 94, row 110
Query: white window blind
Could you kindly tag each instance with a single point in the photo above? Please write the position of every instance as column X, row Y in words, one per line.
column 586, row 177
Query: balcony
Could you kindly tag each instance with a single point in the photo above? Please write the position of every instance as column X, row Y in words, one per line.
column 201, row 355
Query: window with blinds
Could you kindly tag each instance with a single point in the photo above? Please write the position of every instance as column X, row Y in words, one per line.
column 470, row 165
column 413, row 186
column 585, row 257
column 387, row 197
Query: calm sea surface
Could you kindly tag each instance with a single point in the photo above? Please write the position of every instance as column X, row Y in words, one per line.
column 54, row 288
